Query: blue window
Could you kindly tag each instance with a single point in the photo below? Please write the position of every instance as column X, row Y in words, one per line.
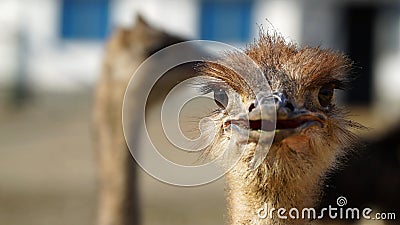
column 226, row 20
column 84, row 19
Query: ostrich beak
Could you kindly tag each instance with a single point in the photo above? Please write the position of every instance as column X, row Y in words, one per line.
column 289, row 119
column 288, row 116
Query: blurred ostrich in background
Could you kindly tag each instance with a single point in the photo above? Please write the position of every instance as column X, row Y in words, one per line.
column 126, row 50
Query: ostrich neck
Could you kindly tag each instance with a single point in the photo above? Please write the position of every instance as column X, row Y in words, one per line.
column 251, row 191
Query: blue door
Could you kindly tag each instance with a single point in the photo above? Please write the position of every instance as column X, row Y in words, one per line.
column 84, row 19
column 226, row 21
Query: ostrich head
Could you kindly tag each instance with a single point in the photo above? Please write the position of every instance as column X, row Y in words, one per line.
column 311, row 131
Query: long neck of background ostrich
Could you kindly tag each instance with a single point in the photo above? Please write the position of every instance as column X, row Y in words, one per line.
column 249, row 192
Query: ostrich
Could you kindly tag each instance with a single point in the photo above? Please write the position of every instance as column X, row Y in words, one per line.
column 312, row 133
column 126, row 49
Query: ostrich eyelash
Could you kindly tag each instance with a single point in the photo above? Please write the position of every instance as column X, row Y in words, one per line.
column 340, row 84
column 207, row 85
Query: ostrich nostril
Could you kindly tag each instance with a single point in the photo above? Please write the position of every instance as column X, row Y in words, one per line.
column 251, row 107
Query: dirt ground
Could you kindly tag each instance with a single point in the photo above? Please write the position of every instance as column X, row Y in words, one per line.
column 48, row 174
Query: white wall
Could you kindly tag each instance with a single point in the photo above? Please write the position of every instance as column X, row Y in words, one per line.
column 284, row 16
column 176, row 16
column 54, row 64
column 9, row 18
column 32, row 36
column 387, row 66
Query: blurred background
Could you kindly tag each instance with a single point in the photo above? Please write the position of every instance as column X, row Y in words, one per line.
column 51, row 55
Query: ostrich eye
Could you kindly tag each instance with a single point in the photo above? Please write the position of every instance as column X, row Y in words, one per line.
column 221, row 98
column 325, row 95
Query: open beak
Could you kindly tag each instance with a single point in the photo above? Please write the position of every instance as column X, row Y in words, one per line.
column 289, row 120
